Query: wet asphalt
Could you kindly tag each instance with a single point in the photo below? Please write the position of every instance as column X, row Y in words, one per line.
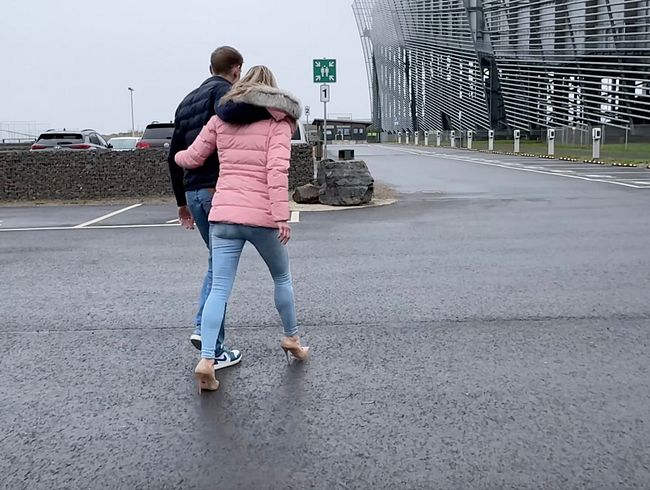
column 490, row 330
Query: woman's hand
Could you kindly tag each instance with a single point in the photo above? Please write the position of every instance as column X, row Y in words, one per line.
column 284, row 232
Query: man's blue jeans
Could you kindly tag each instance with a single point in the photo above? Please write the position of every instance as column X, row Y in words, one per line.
column 227, row 243
column 199, row 202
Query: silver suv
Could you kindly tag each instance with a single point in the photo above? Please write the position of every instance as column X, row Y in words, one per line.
column 87, row 139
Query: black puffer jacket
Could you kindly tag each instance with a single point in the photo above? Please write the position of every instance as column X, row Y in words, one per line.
column 192, row 114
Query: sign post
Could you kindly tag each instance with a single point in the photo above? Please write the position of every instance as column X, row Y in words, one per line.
column 324, row 73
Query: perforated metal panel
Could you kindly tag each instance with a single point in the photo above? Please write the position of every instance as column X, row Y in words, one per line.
column 527, row 64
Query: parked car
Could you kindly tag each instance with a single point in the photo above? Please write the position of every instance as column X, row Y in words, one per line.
column 299, row 135
column 157, row 135
column 86, row 139
column 123, row 143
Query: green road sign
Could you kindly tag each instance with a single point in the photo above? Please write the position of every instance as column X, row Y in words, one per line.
column 324, row 71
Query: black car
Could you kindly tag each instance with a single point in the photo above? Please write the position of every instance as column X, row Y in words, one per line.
column 157, row 135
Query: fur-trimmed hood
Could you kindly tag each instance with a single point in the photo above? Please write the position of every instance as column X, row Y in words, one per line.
column 273, row 98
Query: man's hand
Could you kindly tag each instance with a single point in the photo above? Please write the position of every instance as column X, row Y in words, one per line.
column 185, row 217
column 284, row 232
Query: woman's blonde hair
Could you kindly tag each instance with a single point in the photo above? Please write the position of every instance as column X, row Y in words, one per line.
column 257, row 76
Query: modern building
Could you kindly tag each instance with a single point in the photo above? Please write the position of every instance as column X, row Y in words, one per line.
column 506, row 64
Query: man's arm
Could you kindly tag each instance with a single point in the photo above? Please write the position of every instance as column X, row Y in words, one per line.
column 175, row 172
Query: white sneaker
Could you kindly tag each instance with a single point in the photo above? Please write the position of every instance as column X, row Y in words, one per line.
column 227, row 358
column 195, row 338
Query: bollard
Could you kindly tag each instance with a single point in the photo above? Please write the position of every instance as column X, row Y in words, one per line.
column 399, row 138
column 470, row 137
column 595, row 136
column 426, row 138
column 491, row 139
column 417, row 138
column 550, row 137
column 517, row 135
column 438, row 138
column 408, row 138
column 452, row 138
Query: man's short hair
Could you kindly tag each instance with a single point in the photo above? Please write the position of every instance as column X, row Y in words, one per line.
column 224, row 59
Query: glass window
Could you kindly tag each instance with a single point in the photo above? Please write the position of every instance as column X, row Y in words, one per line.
column 94, row 139
column 60, row 136
column 102, row 141
column 124, row 144
column 158, row 133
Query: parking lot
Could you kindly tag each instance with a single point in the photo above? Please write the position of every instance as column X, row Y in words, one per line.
column 490, row 330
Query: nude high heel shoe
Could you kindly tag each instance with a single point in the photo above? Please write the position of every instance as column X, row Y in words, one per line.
column 292, row 344
column 204, row 374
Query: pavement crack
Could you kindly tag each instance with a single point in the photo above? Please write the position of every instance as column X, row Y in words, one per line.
column 405, row 323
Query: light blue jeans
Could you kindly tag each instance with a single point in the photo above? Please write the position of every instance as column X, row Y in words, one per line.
column 227, row 242
column 199, row 202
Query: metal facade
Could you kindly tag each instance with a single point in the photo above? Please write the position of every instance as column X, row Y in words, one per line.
column 516, row 64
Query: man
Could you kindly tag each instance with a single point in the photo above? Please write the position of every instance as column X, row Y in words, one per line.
column 194, row 188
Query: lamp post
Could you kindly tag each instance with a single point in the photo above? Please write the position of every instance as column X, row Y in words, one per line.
column 132, row 119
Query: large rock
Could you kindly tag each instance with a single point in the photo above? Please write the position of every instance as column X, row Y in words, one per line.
column 345, row 183
column 306, row 194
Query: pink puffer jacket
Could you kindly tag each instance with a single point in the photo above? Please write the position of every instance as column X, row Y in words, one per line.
column 253, row 184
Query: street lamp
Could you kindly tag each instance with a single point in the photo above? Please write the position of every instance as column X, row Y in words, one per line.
column 132, row 119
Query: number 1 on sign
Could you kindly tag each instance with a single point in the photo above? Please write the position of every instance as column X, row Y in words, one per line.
column 324, row 93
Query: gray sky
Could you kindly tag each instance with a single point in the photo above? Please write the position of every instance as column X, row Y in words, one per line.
column 68, row 63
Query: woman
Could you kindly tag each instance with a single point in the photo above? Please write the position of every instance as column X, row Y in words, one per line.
column 251, row 203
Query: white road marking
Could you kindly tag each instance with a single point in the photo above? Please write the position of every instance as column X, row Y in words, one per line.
column 521, row 169
column 44, row 228
column 564, row 167
column 106, row 216
column 634, row 179
column 175, row 220
column 295, row 218
column 99, row 227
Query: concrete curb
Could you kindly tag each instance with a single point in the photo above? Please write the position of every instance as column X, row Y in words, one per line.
column 307, row 208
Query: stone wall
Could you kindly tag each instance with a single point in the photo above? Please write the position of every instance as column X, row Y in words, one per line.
column 26, row 176
column 301, row 171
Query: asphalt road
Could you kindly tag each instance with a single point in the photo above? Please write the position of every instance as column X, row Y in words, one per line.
column 490, row 330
